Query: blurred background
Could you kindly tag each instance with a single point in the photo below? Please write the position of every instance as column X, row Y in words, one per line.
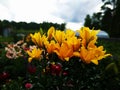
column 18, row 18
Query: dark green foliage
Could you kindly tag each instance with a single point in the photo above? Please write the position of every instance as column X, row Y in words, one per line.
column 108, row 19
column 88, row 21
column 16, row 26
column 93, row 21
column 75, row 75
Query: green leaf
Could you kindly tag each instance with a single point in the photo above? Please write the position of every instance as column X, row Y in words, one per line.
column 112, row 67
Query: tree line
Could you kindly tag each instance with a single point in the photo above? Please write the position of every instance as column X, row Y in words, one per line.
column 108, row 19
column 29, row 26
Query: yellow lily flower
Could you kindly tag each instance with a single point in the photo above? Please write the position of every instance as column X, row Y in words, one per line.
column 44, row 40
column 69, row 34
column 100, row 55
column 88, row 36
column 75, row 43
column 50, row 33
column 92, row 54
column 51, row 46
column 38, row 39
column 59, row 36
column 65, row 51
column 34, row 54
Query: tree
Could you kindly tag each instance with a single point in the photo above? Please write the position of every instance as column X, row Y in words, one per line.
column 1, row 28
column 96, row 20
column 115, row 13
column 106, row 20
column 115, row 28
column 112, row 3
column 88, row 21
column 93, row 21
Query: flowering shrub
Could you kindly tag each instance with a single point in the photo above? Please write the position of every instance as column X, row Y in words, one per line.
column 55, row 60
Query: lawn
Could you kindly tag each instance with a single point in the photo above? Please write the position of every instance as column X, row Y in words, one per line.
column 112, row 46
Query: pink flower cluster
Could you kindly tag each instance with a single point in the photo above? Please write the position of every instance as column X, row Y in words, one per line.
column 14, row 51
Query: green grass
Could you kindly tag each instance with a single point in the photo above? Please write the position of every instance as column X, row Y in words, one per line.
column 6, row 39
column 111, row 46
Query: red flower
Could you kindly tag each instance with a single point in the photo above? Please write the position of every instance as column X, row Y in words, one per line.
column 28, row 85
column 55, row 69
column 31, row 69
column 5, row 75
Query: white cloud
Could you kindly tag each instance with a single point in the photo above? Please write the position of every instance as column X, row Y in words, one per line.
column 74, row 26
column 76, row 10
column 60, row 11
column 34, row 10
column 4, row 13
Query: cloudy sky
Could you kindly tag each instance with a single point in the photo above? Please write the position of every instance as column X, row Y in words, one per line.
column 72, row 12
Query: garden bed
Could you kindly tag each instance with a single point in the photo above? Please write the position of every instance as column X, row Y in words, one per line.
column 21, row 73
